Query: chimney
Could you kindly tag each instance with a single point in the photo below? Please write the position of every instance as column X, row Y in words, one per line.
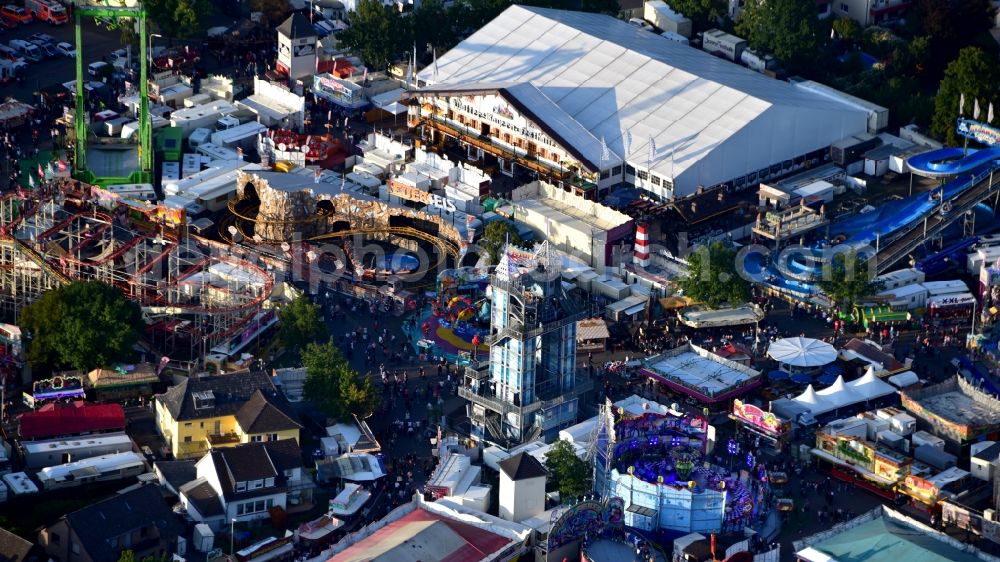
column 722, row 195
column 694, row 206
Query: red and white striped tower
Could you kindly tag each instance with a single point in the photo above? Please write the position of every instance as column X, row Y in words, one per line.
column 640, row 256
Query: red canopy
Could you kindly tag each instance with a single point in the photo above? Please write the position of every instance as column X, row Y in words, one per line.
column 54, row 419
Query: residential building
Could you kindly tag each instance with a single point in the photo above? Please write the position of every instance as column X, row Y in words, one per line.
column 869, row 12
column 138, row 520
column 244, row 482
column 225, row 410
column 531, row 386
column 13, row 548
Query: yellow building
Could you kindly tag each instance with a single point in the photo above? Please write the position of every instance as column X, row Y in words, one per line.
column 221, row 411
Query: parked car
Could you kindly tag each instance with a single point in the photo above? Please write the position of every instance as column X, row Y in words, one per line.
column 65, row 49
column 7, row 23
column 99, row 69
column 16, row 14
column 48, row 49
column 29, row 51
column 43, row 37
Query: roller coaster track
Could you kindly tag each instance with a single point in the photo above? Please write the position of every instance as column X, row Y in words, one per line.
column 445, row 246
column 38, row 260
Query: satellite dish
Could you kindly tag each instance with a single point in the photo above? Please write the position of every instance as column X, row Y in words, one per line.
column 232, row 230
column 282, row 146
column 285, row 246
column 304, row 148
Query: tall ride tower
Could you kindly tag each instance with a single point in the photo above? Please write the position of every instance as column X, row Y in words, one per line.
column 531, row 386
column 110, row 161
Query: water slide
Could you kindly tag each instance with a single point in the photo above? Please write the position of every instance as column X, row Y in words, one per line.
column 890, row 218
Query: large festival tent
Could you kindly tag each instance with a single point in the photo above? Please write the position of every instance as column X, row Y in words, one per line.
column 795, row 354
column 842, row 394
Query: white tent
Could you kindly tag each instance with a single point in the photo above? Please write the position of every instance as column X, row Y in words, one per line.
column 842, row 394
column 802, row 352
column 903, row 380
column 808, row 397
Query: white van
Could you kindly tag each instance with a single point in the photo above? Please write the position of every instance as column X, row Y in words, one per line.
column 27, row 50
column 99, row 69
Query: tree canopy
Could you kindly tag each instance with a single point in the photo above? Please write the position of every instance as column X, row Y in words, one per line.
column 787, row 29
column 712, row 278
column 334, row 385
column 273, row 11
column 301, row 322
column 496, row 234
column 179, row 18
column 973, row 74
column 703, row 13
column 84, row 325
column 376, row 34
column 569, row 474
column 846, row 279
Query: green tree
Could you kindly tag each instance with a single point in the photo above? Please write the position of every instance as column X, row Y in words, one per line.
column 846, row 279
column 179, row 18
column 430, row 27
column 334, row 385
column 954, row 21
column 974, row 75
column 496, row 234
column 301, row 322
column 570, row 474
column 273, row 11
column 83, row 325
column 704, row 14
column 712, row 278
column 376, row 33
column 787, row 29
column 847, row 29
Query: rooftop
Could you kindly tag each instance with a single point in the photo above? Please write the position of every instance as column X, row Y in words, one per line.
column 97, row 524
column 522, row 466
column 229, row 393
column 127, row 375
column 708, row 375
column 422, row 535
column 266, row 413
column 886, row 536
column 56, row 419
column 679, row 104
column 955, row 401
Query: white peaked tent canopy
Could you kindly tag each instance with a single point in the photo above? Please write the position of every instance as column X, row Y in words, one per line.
column 808, row 397
column 842, row 394
column 802, row 352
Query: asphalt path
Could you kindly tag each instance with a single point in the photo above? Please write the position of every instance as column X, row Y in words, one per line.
column 98, row 43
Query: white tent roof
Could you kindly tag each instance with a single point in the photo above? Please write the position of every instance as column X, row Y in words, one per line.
column 808, row 397
column 841, row 394
column 802, row 352
column 709, row 120
column 903, row 380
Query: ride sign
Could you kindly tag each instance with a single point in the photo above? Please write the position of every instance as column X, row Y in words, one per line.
column 750, row 414
column 979, row 132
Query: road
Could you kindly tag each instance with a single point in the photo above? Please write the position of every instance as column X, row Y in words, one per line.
column 98, row 42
